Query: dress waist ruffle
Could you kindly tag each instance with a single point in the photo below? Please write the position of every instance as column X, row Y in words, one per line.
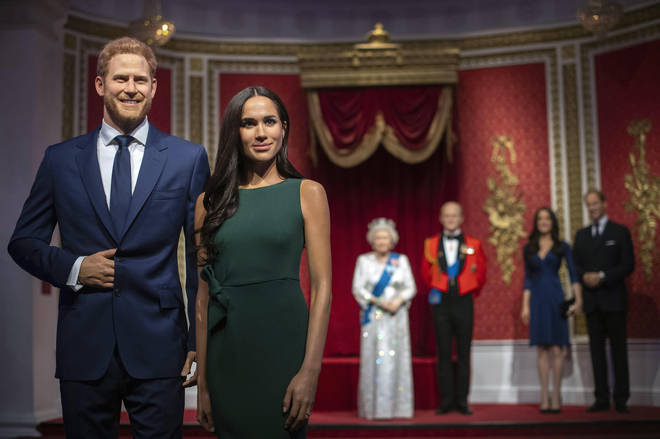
column 219, row 303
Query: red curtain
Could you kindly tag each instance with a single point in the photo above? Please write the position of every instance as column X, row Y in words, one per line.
column 350, row 113
column 411, row 195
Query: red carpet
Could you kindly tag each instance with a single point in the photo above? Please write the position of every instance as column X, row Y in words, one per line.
column 488, row 420
column 338, row 383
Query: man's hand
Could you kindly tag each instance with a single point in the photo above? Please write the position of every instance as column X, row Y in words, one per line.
column 190, row 359
column 98, row 269
column 591, row 279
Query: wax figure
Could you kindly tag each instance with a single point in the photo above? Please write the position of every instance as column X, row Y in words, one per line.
column 384, row 286
column 120, row 195
column 604, row 257
column 260, row 348
column 543, row 298
column 454, row 269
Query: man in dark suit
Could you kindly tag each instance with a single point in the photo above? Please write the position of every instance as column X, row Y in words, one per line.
column 453, row 267
column 604, row 257
column 121, row 195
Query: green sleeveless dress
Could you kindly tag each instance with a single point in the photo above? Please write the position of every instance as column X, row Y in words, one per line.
column 257, row 316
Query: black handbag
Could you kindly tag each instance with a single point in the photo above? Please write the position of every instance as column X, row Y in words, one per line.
column 564, row 306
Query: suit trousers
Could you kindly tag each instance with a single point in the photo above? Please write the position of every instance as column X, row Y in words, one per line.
column 602, row 325
column 91, row 408
column 453, row 318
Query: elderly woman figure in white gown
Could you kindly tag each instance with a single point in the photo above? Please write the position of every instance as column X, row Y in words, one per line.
column 384, row 286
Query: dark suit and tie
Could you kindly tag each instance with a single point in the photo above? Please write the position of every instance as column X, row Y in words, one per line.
column 606, row 249
column 126, row 341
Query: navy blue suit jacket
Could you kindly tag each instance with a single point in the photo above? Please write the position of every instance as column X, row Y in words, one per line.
column 144, row 314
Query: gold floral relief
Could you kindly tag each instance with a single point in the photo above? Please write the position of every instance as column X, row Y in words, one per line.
column 505, row 207
column 644, row 198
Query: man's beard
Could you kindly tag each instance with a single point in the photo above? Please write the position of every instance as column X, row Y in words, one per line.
column 125, row 122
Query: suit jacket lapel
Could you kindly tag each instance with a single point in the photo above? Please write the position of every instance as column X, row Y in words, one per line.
column 460, row 255
column 442, row 259
column 599, row 239
column 152, row 166
column 90, row 173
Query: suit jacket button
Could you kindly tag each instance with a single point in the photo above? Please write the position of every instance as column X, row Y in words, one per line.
column 117, row 292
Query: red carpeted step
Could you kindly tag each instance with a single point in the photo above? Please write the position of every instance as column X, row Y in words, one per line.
column 337, row 389
column 489, row 420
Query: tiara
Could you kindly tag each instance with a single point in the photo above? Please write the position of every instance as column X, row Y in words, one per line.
column 378, row 223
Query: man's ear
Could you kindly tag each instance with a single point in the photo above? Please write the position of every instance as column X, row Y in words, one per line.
column 98, row 84
column 154, row 84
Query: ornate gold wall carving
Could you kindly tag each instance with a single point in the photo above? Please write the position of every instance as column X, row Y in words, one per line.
column 644, row 198
column 505, row 207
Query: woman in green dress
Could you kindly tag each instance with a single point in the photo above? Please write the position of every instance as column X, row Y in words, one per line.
column 259, row 348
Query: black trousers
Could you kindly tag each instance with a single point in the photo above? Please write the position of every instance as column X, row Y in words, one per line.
column 601, row 326
column 91, row 408
column 453, row 318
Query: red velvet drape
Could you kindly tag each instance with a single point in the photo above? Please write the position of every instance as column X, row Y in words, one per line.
column 350, row 113
column 411, row 195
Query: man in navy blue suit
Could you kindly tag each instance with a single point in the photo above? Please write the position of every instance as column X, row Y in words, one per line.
column 121, row 195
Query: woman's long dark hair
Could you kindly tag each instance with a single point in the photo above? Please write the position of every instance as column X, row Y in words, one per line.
column 221, row 192
column 532, row 247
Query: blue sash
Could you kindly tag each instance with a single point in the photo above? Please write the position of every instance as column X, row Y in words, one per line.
column 435, row 295
column 384, row 280
column 452, row 270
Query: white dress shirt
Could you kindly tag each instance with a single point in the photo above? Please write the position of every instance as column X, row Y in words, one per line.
column 602, row 222
column 451, row 247
column 106, row 148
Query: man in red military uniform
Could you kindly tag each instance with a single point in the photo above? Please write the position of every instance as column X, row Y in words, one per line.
column 453, row 267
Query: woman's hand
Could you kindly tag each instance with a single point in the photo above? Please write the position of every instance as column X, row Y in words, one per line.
column 524, row 315
column 299, row 399
column 204, row 416
column 394, row 305
column 576, row 308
